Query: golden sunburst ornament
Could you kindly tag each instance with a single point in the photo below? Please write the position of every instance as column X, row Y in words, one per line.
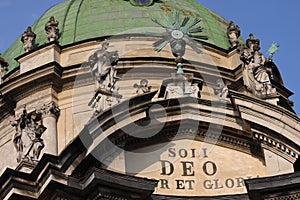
column 178, row 35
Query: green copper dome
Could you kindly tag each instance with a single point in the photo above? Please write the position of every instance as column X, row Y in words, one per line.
column 80, row 20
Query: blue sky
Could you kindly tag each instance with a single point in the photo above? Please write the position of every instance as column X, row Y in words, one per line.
column 269, row 21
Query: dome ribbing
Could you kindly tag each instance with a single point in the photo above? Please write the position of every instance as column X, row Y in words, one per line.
column 81, row 20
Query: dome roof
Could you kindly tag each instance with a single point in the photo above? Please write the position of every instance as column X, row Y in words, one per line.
column 80, row 20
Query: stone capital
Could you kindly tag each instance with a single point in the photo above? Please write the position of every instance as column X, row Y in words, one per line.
column 50, row 109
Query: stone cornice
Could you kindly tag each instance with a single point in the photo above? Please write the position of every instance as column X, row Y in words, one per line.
column 197, row 113
column 254, row 100
column 50, row 173
column 280, row 186
column 187, row 108
column 121, row 186
column 227, row 139
column 280, row 148
column 23, row 84
column 265, row 114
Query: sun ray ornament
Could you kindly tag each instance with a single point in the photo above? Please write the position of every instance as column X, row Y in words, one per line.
column 178, row 35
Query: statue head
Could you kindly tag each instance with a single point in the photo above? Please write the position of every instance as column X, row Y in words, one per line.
column 105, row 45
column 144, row 82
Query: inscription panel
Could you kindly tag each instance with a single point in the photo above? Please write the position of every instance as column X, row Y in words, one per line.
column 197, row 169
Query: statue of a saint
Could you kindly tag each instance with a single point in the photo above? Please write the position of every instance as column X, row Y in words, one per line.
column 233, row 32
column 103, row 67
column 221, row 89
column 251, row 41
column 256, row 74
column 27, row 139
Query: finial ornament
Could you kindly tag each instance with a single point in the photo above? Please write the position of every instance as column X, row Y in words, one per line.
column 28, row 39
column 51, row 29
column 178, row 35
column 272, row 50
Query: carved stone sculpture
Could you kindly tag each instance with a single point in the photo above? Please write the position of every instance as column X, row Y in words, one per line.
column 176, row 91
column 27, row 139
column 221, row 89
column 3, row 68
column 256, row 74
column 103, row 100
column 28, row 39
column 103, row 68
column 251, row 41
column 180, row 85
column 142, row 87
column 233, row 33
column 51, row 29
column 50, row 109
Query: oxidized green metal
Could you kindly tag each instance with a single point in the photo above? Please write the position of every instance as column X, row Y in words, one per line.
column 80, row 20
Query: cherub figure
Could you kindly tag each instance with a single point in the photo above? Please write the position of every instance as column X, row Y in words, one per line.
column 142, row 87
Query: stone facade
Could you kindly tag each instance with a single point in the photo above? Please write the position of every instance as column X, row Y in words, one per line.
column 123, row 123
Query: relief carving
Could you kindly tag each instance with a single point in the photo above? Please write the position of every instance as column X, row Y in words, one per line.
column 142, row 87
